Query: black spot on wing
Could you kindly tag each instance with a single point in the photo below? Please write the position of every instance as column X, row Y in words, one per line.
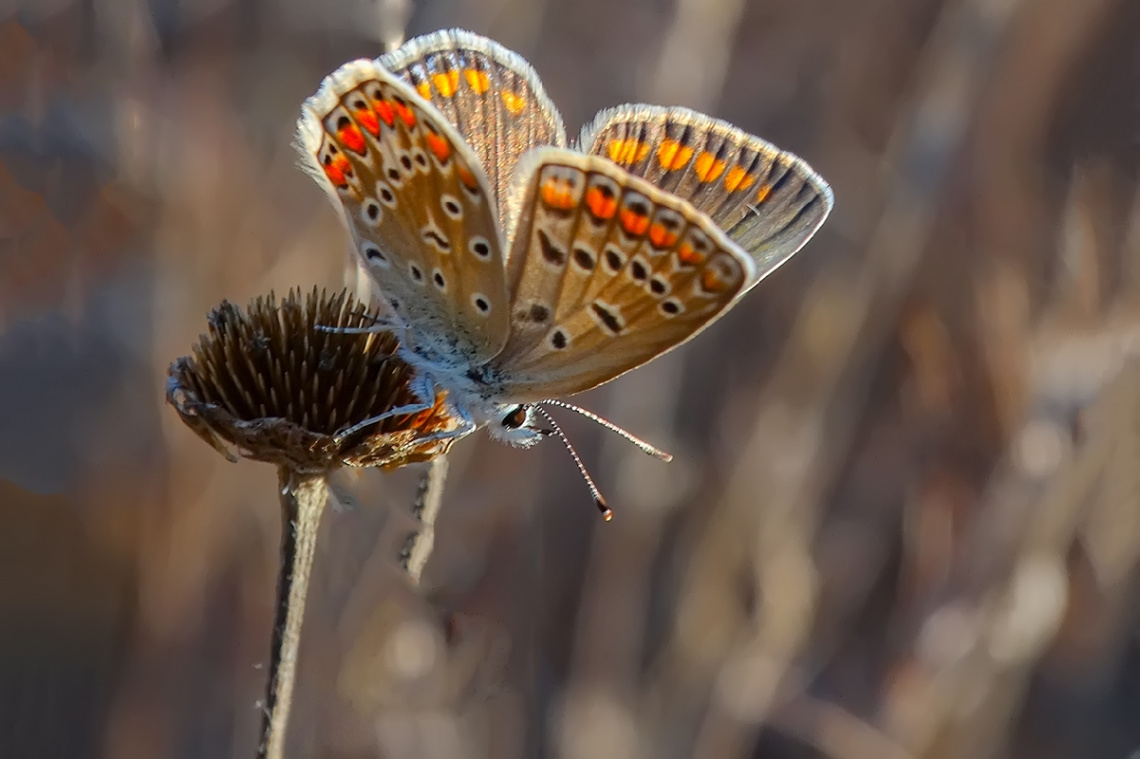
column 614, row 260
column 441, row 242
column 585, row 258
column 608, row 318
column 551, row 252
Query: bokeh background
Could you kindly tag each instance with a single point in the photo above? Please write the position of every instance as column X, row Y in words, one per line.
column 904, row 515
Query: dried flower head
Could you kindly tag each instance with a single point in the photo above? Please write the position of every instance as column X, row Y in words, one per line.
column 277, row 388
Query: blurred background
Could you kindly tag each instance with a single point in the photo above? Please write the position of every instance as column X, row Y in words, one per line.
column 904, row 515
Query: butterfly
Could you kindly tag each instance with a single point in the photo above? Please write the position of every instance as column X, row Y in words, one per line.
column 517, row 269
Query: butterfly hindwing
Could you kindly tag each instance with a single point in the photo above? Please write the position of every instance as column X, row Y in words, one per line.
column 491, row 95
column 768, row 201
column 605, row 273
column 417, row 204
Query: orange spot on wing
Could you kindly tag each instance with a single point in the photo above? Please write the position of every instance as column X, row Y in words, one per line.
column 406, row 114
column 738, row 179
column 688, row 256
column 337, row 169
column 633, row 222
column 627, row 151
column 514, row 103
column 424, row 89
column 711, row 281
column 385, row 111
column 673, row 155
column 708, row 167
column 557, row 195
column 446, row 83
column 352, row 139
column 601, row 205
column 367, row 119
column 661, row 237
column 467, row 178
column 763, row 193
column 439, row 146
column 477, row 80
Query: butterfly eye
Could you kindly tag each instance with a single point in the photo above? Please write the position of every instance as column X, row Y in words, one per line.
column 515, row 418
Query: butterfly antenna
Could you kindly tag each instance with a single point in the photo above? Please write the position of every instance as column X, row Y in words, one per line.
column 607, row 513
column 644, row 446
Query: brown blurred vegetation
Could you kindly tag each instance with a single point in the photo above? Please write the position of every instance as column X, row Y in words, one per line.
column 904, row 516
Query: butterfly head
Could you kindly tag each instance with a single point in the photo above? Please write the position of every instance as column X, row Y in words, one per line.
column 516, row 424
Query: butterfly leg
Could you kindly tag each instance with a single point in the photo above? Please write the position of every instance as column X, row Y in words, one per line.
column 422, row 385
column 411, row 408
column 379, row 324
column 465, row 429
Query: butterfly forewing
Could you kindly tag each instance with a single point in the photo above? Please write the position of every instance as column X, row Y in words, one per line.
column 417, row 204
column 768, row 201
column 605, row 273
column 491, row 95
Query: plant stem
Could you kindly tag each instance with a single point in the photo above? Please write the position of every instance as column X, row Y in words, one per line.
column 303, row 500
column 425, row 510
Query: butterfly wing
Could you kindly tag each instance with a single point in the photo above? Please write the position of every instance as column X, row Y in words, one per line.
column 490, row 94
column 767, row 200
column 418, row 206
column 606, row 272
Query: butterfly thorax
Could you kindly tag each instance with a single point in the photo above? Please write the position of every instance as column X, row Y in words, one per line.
column 473, row 393
column 453, row 369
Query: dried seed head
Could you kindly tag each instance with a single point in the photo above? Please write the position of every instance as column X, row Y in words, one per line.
column 270, row 383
